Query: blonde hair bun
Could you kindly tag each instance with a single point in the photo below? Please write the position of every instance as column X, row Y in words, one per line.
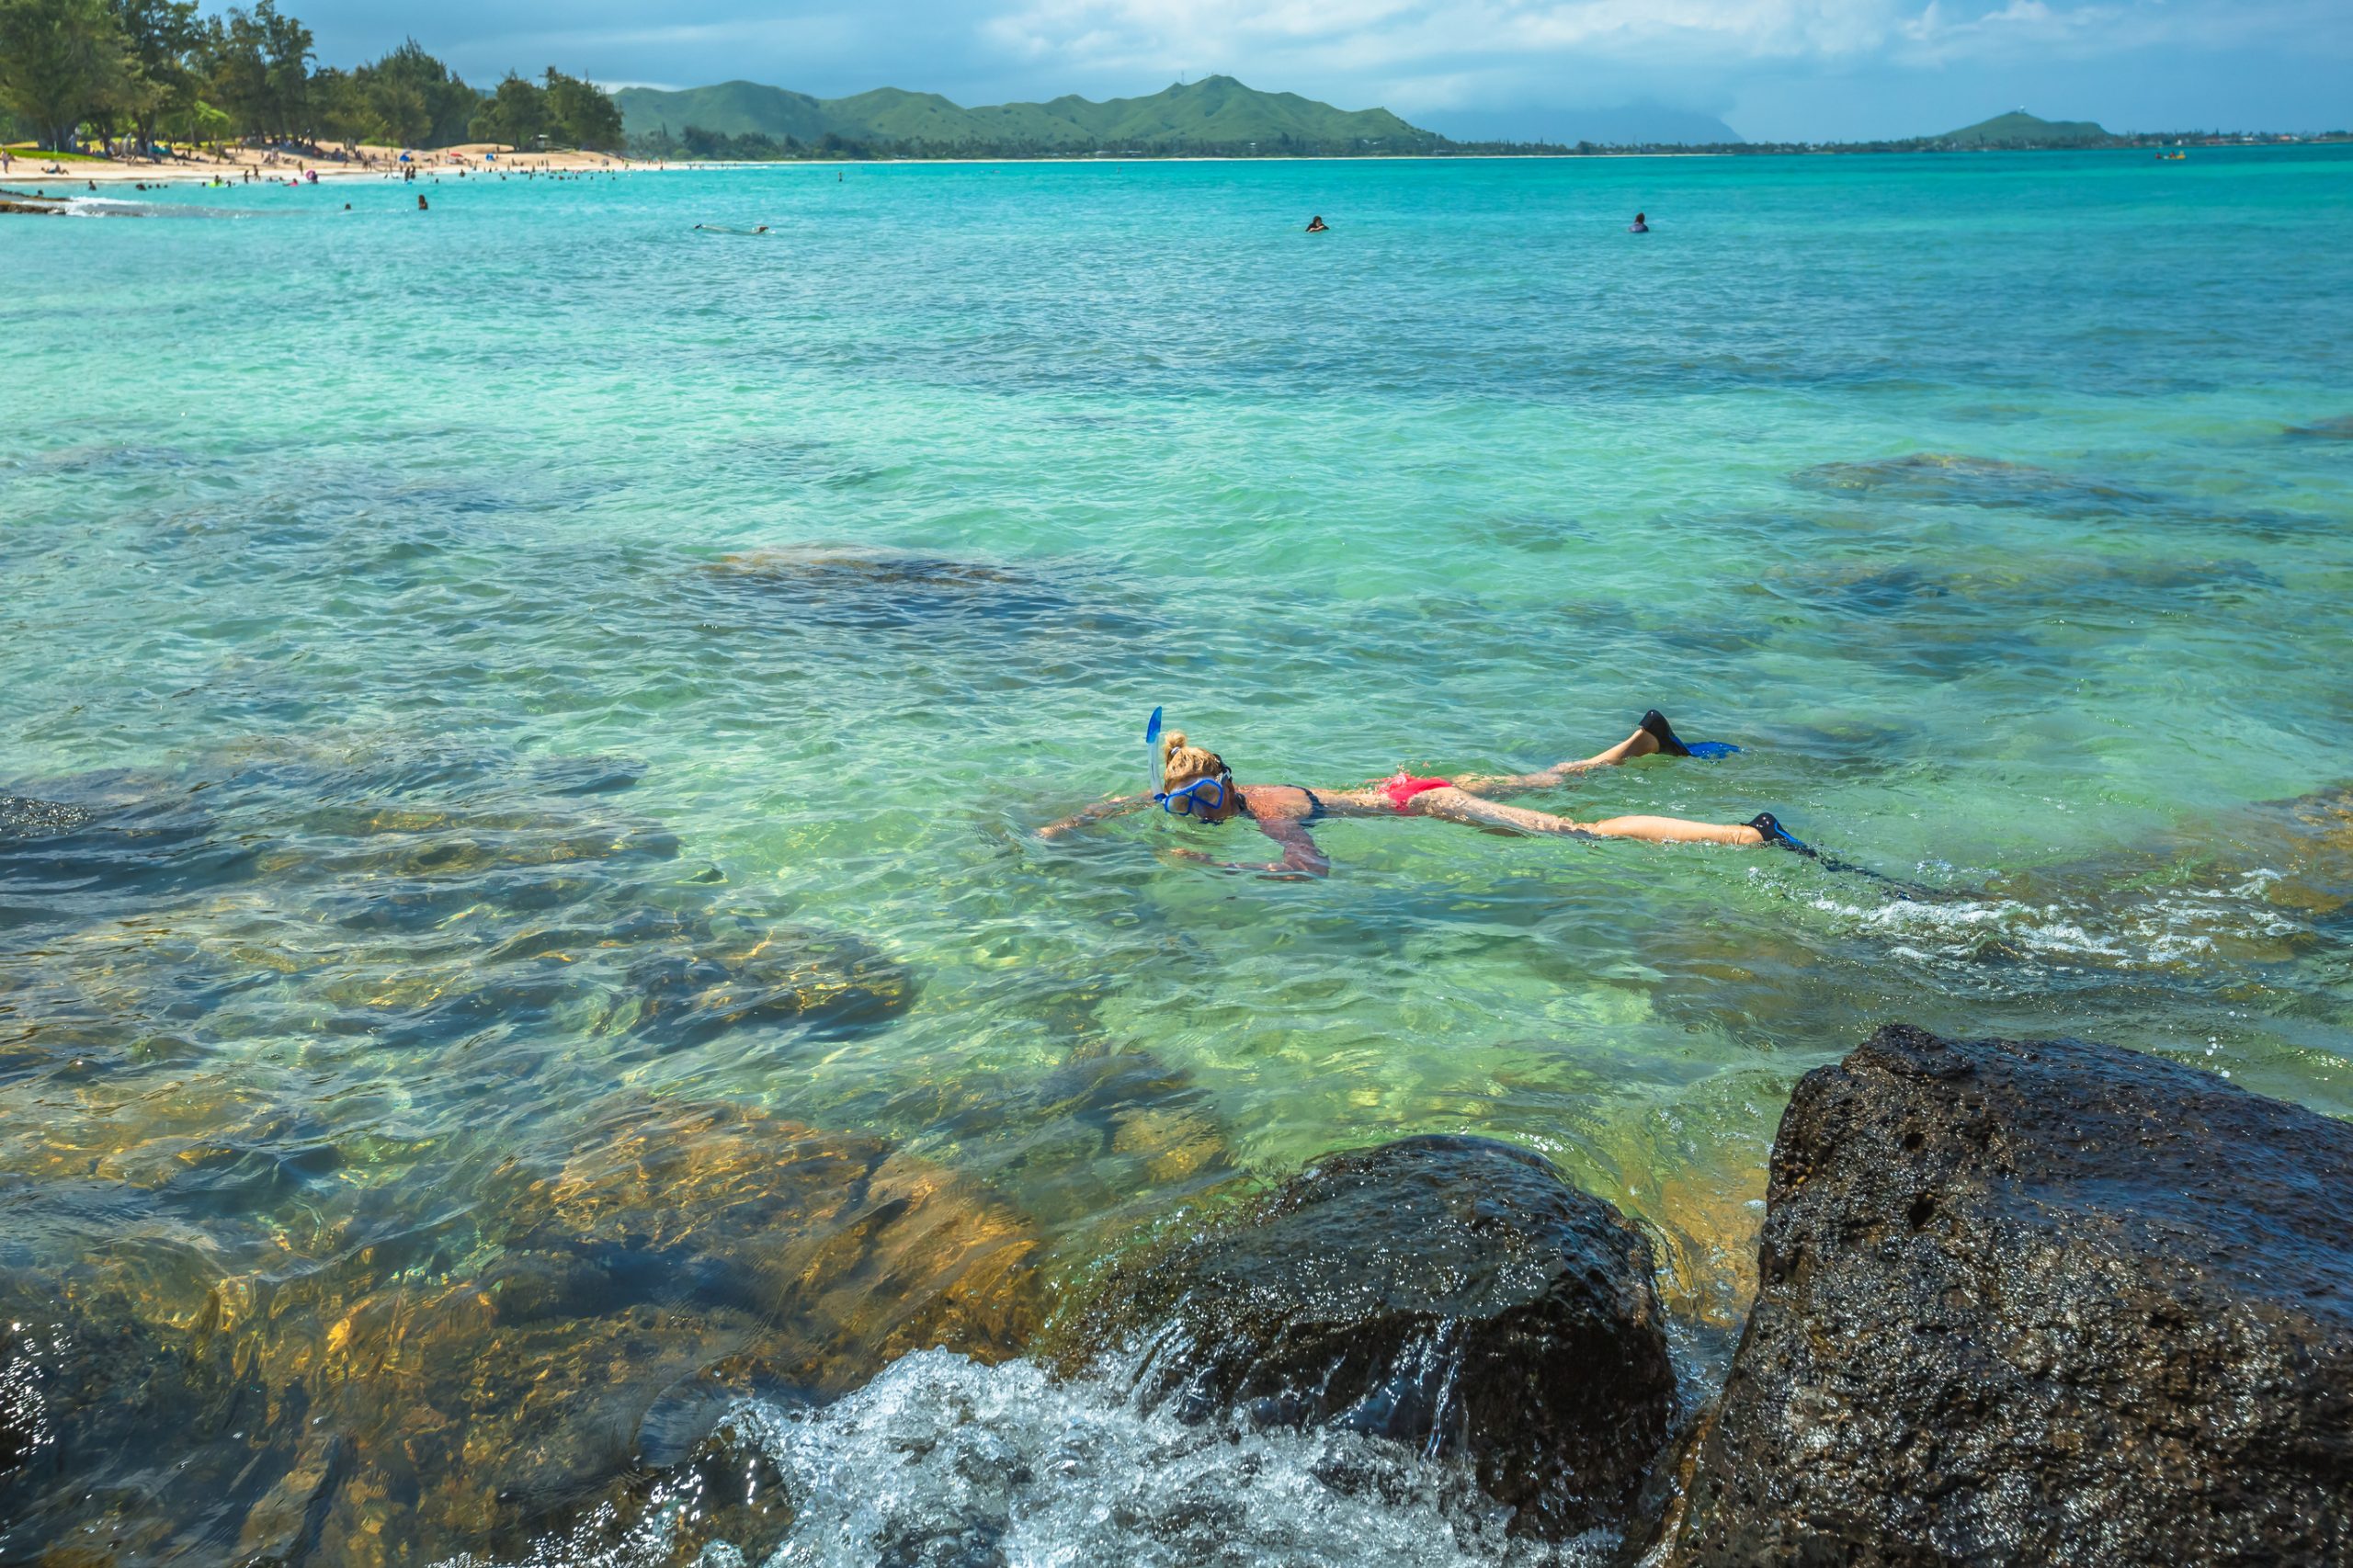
column 1181, row 762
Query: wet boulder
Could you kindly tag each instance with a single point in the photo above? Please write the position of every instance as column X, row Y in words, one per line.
column 1453, row 1294
column 2038, row 1303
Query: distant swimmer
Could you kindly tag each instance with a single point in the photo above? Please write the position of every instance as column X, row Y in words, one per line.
column 1197, row 784
column 1641, row 225
column 1316, row 225
column 420, row 202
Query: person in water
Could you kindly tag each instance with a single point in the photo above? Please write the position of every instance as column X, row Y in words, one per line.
column 1316, row 225
column 1641, row 225
column 1197, row 784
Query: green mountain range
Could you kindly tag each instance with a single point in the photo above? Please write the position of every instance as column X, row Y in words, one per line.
column 1214, row 112
column 2023, row 129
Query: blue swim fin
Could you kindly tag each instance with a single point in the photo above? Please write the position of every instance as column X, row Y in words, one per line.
column 1655, row 724
column 1778, row 836
column 1774, row 834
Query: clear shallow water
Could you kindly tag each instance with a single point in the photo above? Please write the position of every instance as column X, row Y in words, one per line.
column 497, row 697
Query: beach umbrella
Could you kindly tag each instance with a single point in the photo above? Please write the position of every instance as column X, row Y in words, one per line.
column 404, row 157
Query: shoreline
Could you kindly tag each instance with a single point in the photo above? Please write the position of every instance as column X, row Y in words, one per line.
column 464, row 161
column 114, row 172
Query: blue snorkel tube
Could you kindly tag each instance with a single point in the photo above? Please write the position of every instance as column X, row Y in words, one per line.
column 1152, row 746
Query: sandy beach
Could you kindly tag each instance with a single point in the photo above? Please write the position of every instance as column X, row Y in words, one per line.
column 238, row 165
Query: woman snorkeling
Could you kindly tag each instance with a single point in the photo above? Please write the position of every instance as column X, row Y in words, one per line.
column 1197, row 784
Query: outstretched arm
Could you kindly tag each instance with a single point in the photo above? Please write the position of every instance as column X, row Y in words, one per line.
column 1301, row 859
column 1103, row 810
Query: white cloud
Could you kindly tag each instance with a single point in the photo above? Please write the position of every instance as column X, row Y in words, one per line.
column 1422, row 36
column 2030, row 24
column 1360, row 33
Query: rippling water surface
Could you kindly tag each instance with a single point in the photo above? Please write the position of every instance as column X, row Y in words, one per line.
column 522, row 726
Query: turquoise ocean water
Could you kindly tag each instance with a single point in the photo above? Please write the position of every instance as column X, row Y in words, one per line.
column 491, row 687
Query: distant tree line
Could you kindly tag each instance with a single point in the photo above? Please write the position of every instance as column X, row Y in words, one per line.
column 752, row 147
column 147, row 71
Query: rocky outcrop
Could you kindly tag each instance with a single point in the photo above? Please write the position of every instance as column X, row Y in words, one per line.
column 2038, row 1303
column 1450, row 1293
column 396, row 1404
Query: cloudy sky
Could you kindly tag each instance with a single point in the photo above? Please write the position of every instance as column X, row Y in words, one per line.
column 1773, row 68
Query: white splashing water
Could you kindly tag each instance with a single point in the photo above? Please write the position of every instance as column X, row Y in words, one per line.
column 941, row 1462
column 2177, row 928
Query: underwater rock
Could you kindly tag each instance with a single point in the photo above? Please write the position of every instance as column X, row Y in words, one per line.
column 723, row 1504
column 408, row 922
column 699, row 984
column 2216, row 893
column 89, row 1394
column 2037, row 1302
column 2337, row 429
column 1958, row 602
column 349, row 838
column 414, row 1388
column 2305, row 846
column 607, row 967
column 858, row 1253
column 1453, row 1294
column 851, row 585
column 1100, row 1133
column 1944, row 478
column 684, row 1256
column 813, row 567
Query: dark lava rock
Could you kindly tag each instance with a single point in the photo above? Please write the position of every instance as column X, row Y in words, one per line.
column 1451, row 1293
column 2039, row 1303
